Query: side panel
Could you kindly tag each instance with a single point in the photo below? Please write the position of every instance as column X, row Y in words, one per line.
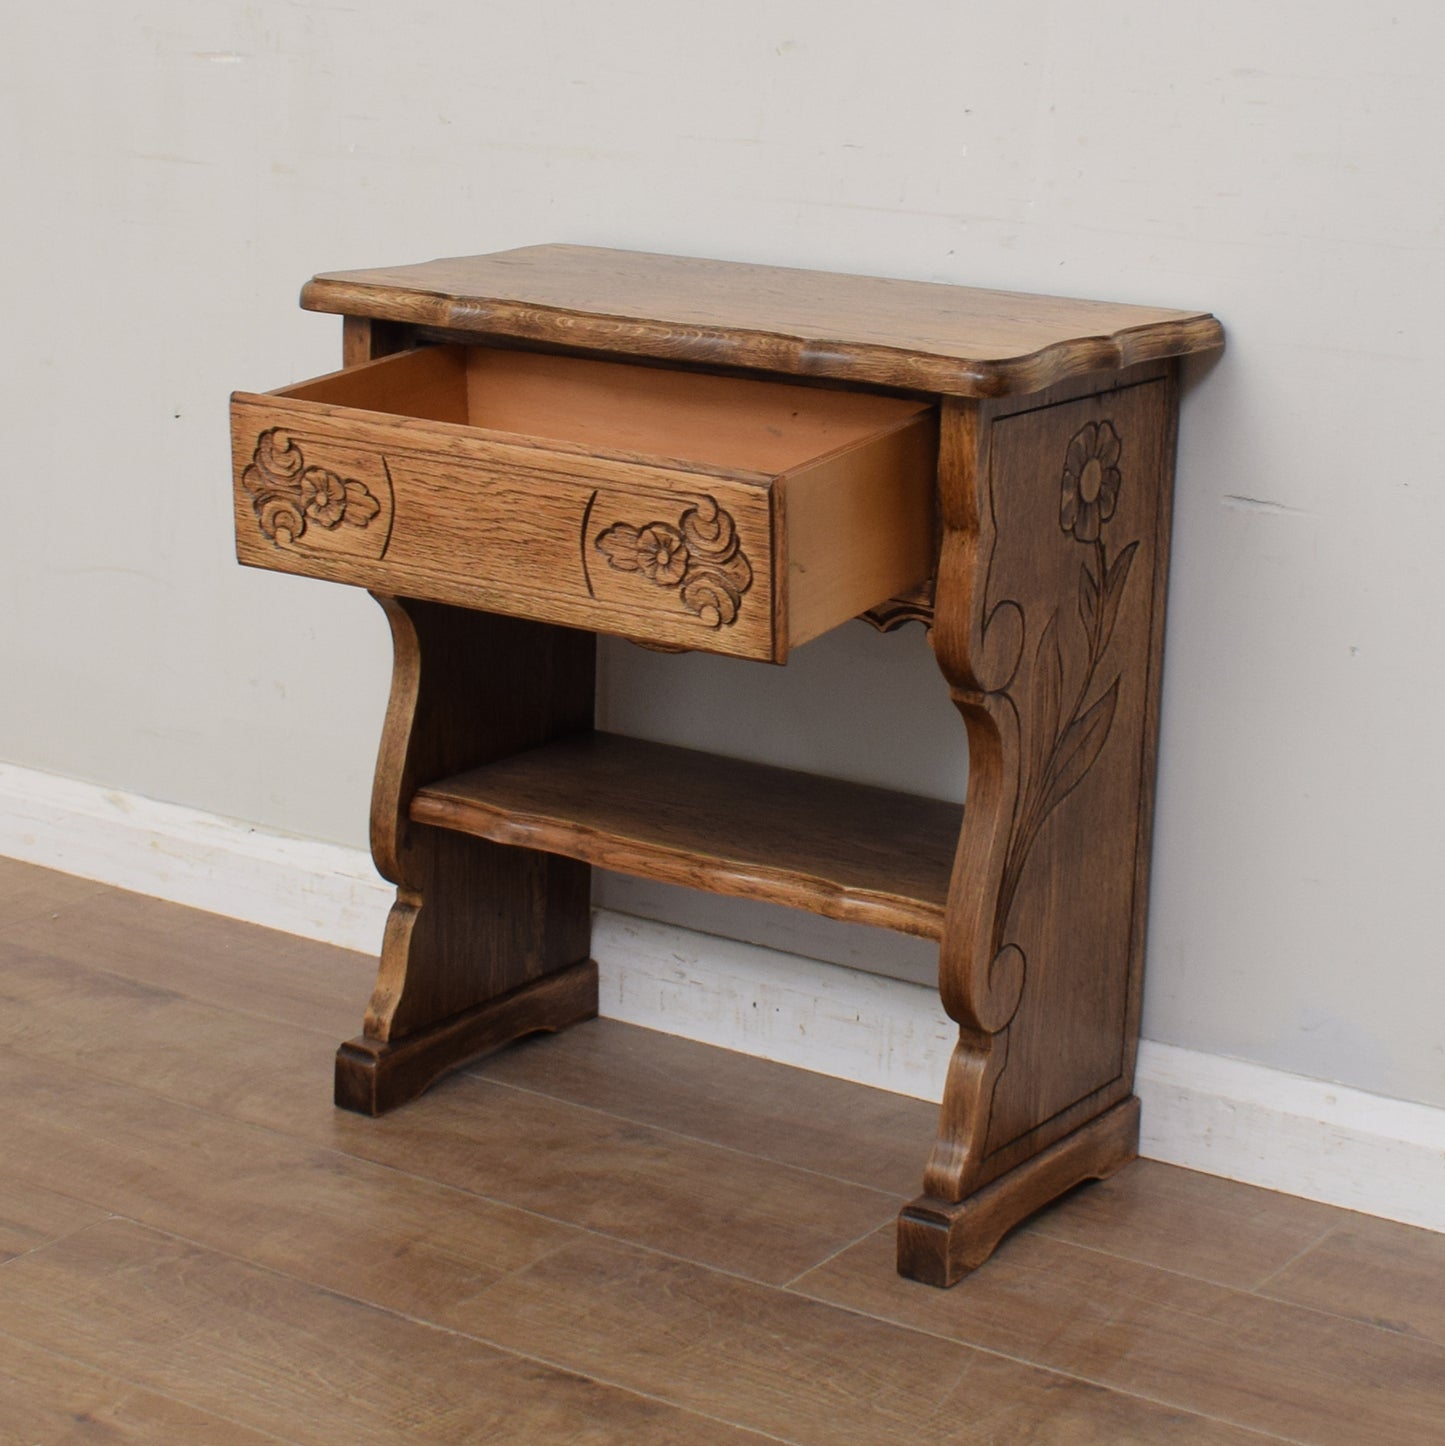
column 1080, row 498
column 1048, row 628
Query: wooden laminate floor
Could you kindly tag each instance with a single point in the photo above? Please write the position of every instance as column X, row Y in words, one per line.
column 609, row 1236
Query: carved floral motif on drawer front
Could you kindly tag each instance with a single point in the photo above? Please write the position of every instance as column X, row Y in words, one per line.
column 297, row 502
column 699, row 557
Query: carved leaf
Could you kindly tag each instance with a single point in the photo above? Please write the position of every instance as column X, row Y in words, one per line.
column 1088, row 597
column 1118, row 575
column 1079, row 749
column 361, row 506
column 619, row 544
column 1047, row 690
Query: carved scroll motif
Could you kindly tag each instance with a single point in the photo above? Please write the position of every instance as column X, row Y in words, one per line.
column 699, row 558
column 915, row 606
column 288, row 496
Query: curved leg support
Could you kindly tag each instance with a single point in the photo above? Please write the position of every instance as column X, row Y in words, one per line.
column 1048, row 619
column 485, row 942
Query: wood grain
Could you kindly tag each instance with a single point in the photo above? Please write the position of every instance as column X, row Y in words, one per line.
column 1196, row 1346
column 198, row 1054
column 947, row 339
column 447, row 498
column 811, row 1121
column 1376, row 1271
column 1197, row 1224
column 281, row 1356
column 1144, row 1309
column 27, row 891
column 341, row 1223
column 732, row 1211
column 47, row 1398
column 845, row 850
column 1048, row 629
column 374, row 1076
column 735, row 513
column 151, row 1057
column 799, row 1369
column 241, row 968
column 31, row 1217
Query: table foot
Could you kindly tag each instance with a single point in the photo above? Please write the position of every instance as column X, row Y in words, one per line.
column 374, row 1076
column 940, row 1241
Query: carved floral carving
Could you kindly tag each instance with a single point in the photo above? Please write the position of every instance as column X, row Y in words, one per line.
column 288, row 496
column 699, row 557
column 1010, row 685
column 1067, row 742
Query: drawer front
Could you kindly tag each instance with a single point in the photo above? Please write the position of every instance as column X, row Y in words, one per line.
column 406, row 506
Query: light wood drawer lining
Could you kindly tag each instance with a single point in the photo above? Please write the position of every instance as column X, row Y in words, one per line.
column 721, row 513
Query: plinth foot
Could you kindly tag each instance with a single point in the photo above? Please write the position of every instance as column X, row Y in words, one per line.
column 374, row 1076
column 939, row 1242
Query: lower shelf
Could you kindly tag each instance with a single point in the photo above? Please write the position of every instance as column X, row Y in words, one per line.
column 846, row 850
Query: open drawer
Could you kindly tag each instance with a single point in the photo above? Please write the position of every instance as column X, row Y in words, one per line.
column 725, row 514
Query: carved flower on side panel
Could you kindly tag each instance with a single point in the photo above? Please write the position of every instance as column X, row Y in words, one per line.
column 1091, row 481
column 1069, row 739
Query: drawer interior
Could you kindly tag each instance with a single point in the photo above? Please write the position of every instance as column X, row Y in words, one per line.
column 733, row 423
column 732, row 514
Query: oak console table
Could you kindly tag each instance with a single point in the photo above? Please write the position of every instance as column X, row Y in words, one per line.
column 527, row 449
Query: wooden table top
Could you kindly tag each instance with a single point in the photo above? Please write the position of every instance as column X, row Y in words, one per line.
column 953, row 340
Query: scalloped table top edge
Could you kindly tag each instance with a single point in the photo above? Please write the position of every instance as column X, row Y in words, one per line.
column 915, row 335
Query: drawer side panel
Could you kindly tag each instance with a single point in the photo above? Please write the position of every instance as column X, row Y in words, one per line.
column 860, row 527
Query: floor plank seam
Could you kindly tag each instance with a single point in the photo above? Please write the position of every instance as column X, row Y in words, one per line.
column 1310, row 1366
column 1247, row 1290
column 1026, row 1228
column 557, row 1364
column 430, row 1180
column 331, row 1034
column 682, row 1135
column 1052, row 1370
column 562, row 1365
column 832, row 1255
column 148, row 1389
column 45, row 1244
column 439, row 1327
column 1259, row 1285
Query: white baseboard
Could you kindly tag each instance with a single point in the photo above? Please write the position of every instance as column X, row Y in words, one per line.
column 1225, row 1117
column 318, row 890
